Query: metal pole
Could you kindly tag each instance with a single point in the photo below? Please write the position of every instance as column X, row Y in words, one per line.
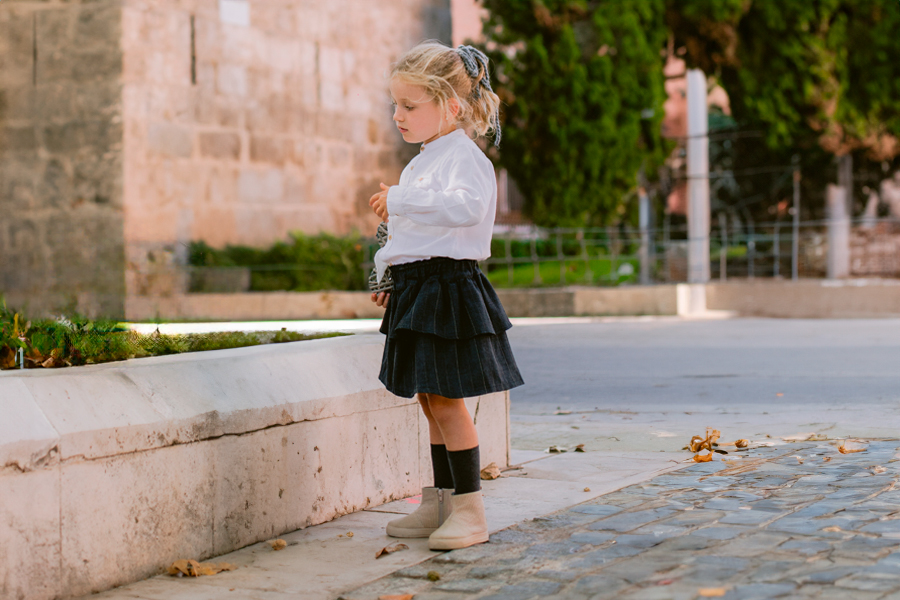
column 560, row 257
column 776, row 243
column 644, row 220
column 534, row 257
column 698, row 177
column 723, row 251
column 795, row 237
column 509, row 262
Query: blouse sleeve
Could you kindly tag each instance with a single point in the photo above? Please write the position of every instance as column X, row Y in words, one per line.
column 463, row 200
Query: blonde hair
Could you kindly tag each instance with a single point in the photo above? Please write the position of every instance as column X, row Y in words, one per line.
column 461, row 74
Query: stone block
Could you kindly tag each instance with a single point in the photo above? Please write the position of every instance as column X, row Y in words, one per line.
column 168, row 139
column 314, row 471
column 94, row 66
column 222, row 145
column 115, row 511
column 231, row 80
column 30, row 565
column 266, row 186
column 29, row 440
column 96, row 411
column 16, row 41
column 268, row 149
column 17, row 140
column 98, row 27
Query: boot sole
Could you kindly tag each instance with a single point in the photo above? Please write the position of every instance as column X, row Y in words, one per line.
column 458, row 543
column 400, row 532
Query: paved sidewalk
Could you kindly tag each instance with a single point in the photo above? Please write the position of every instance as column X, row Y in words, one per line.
column 322, row 562
column 793, row 521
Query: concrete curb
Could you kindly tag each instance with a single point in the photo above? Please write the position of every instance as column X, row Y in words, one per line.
column 807, row 298
column 110, row 472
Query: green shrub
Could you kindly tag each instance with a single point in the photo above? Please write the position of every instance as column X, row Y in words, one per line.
column 78, row 341
column 304, row 263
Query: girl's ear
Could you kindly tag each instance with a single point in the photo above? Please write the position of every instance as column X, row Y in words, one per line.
column 453, row 108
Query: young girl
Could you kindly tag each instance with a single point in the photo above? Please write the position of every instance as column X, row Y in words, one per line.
column 446, row 329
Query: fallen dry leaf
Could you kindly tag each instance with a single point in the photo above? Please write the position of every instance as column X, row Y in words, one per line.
column 349, row 534
column 396, row 597
column 579, row 448
column 843, row 449
column 587, row 489
column 703, row 457
column 391, row 549
column 779, row 394
column 184, row 567
column 742, row 443
column 278, row 544
column 832, row 529
column 711, row 592
column 492, row 471
column 192, row 568
column 826, row 459
column 698, row 443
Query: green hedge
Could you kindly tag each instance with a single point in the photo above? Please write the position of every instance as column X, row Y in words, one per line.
column 303, row 263
column 75, row 341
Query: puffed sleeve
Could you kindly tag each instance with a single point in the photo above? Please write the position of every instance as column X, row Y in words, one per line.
column 462, row 200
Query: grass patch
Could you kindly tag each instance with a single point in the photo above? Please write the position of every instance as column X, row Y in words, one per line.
column 69, row 342
column 575, row 272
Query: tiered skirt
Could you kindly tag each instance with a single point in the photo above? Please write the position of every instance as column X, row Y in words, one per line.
column 446, row 332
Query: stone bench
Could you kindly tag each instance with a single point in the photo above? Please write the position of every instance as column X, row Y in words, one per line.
column 108, row 473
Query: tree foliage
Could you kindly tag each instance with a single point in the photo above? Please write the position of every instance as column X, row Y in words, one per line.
column 823, row 72
column 582, row 85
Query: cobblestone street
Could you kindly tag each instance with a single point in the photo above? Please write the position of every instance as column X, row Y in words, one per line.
column 797, row 520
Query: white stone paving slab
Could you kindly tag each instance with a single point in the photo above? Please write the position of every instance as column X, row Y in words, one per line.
column 322, row 561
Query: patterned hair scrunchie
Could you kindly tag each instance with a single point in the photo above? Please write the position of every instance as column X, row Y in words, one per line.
column 476, row 63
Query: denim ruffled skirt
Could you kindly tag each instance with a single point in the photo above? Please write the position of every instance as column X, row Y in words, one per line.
column 446, row 332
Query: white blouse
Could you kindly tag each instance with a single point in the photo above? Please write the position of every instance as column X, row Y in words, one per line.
column 444, row 205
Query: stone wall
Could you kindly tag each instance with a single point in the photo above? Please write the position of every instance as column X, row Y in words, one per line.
column 247, row 121
column 61, row 224
column 129, row 128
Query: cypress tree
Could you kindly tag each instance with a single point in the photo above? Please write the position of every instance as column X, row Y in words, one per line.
column 582, row 87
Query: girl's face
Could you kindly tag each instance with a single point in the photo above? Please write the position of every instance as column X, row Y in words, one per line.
column 417, row 115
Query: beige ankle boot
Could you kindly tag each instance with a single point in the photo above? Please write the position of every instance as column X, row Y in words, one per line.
column 430, row 515
column 466, row 527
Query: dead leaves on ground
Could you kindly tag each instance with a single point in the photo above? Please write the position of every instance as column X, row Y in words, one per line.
column 561, row 449
column 854, row 447
column 192, row 568
column 391, row 549
column 699, row 444
column 492, row 471
column 396, row 597
column 278, row 544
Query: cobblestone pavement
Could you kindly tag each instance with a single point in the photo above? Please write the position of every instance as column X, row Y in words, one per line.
column 792, row 521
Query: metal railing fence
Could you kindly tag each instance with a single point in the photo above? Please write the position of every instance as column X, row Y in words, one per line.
column 532, row 256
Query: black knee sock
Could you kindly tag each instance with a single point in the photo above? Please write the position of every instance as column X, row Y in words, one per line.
column 466, row 467
column 440, row 464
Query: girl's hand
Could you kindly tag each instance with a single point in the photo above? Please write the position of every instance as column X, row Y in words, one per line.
column 381, row 299
column 378, row 202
